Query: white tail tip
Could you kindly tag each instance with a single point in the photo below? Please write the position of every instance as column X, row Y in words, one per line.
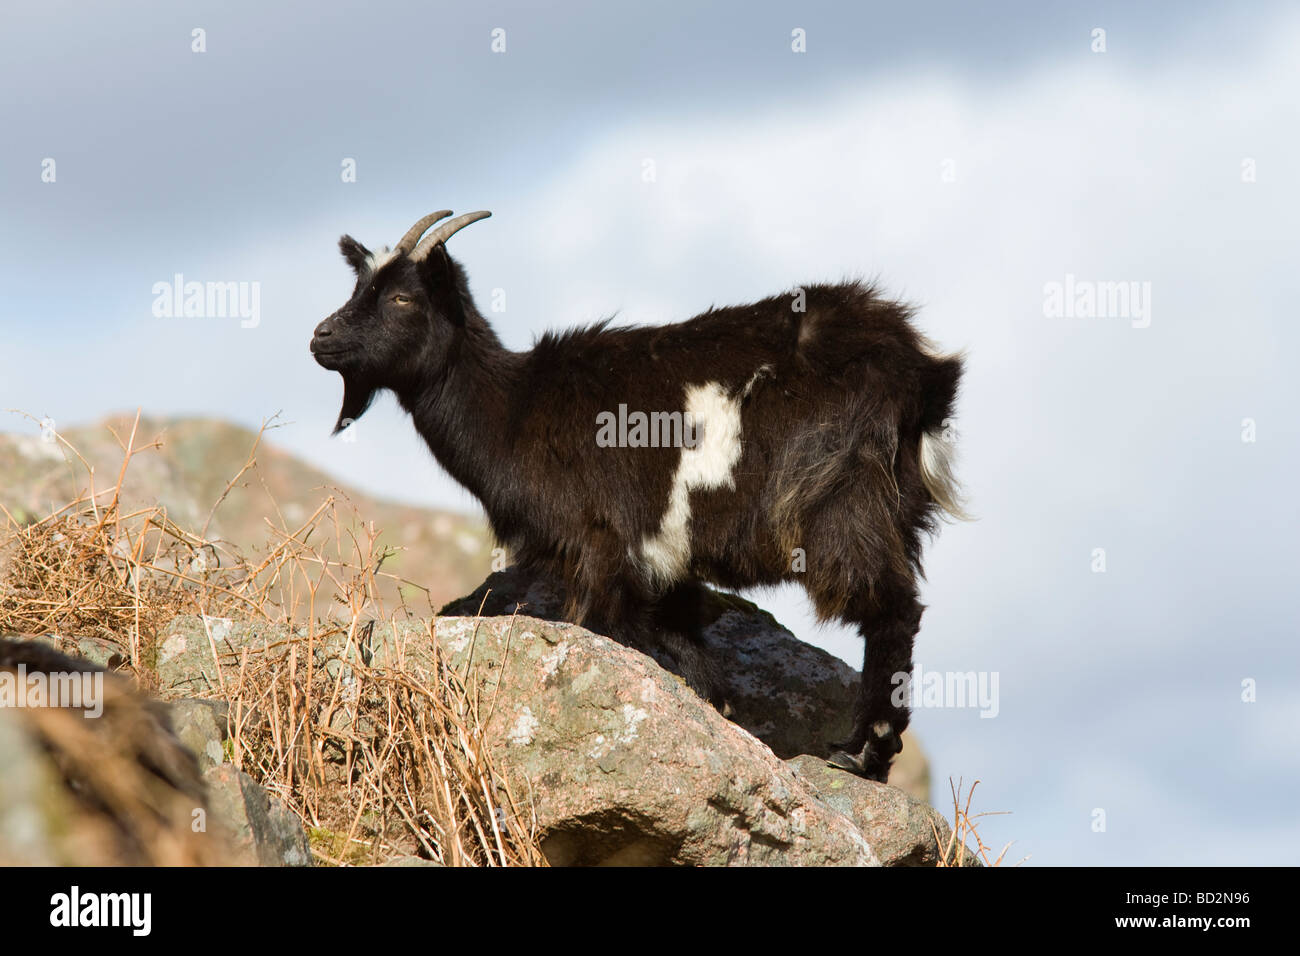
column 937, row 455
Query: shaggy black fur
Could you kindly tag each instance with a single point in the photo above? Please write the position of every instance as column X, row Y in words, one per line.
column 834, row 402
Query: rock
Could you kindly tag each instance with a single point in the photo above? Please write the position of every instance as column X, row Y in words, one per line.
column 188, row 471
column 185, row 665
column 99, row 781
column 626, row 765
column 789, row 694
column 126, row 787
column 899, row 827
column 33, row 806
column 262, row 830
column 103, row 654
column 201, row 726
column 619, row 760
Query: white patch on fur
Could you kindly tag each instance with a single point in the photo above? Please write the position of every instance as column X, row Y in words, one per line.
column 753, row 380
column 378, row 259
column 932, row 348
column 937, row 473
column 716, row 416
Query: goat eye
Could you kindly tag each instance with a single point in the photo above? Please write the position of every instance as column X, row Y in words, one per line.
column 400, row 299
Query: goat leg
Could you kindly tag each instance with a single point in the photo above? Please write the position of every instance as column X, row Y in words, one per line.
column 881, row 712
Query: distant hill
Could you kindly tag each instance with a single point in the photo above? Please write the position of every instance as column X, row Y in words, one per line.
column 447, row 553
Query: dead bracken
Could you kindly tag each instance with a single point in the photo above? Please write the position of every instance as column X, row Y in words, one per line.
column 378, row 762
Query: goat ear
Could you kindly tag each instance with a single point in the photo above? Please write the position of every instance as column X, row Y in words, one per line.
column 354, row 252
column 356, row 399
column 444, row 284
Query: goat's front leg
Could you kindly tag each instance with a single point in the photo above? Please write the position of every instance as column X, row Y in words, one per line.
column 678, row 618
column 665, row 627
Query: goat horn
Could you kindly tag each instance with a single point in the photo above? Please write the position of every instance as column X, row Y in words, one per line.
column 408, row 241
column 445, row 232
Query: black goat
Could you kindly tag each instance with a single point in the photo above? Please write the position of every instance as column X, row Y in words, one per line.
column 817, row 454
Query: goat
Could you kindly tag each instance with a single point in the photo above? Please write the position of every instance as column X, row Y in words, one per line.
column 818, row 454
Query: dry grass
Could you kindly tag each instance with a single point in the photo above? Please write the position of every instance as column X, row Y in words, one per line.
column 377, row 761
column 381, row 761
column 965, row 827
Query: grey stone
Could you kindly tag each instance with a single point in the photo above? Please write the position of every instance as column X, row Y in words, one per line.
column 900, row 828
column 201, row 726
column 105, row 788
column 32, row 804
column 261, row 830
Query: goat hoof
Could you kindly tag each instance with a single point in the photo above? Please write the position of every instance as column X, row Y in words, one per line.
column 846, row 761
column 876, row 770
column 869, row 769
column 888, row 746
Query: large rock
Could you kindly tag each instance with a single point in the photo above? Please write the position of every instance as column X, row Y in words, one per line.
column 189, row 470
column 184, row 661
column 619, row 760
column 899, row 827
column 259, row 827
column 34, row 807
column 626, row 765
column 102, row 783
column 126, row 786
column 201, row 726
column 789, row 694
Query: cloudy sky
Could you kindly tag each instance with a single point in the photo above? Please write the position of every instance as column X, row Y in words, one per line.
column 1130, row 577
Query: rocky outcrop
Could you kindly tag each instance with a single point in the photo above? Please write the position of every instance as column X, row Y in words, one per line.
column 626, row 765
column 189, row 470
column 899, row 828
column 614, row 759
column 121, row 778
column 201, row 726
column 259, row 829
column 791, row 695
column 92, row 772
column 620, row 761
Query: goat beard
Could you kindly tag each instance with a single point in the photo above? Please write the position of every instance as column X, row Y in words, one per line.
column 357, row 397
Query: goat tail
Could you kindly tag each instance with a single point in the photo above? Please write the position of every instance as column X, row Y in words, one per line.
column 936, row 457
column 940, row 380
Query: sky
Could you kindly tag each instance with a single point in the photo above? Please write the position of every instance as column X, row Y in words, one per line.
column 1130, row 454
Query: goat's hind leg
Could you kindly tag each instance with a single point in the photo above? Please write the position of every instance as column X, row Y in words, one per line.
column 888, row 621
